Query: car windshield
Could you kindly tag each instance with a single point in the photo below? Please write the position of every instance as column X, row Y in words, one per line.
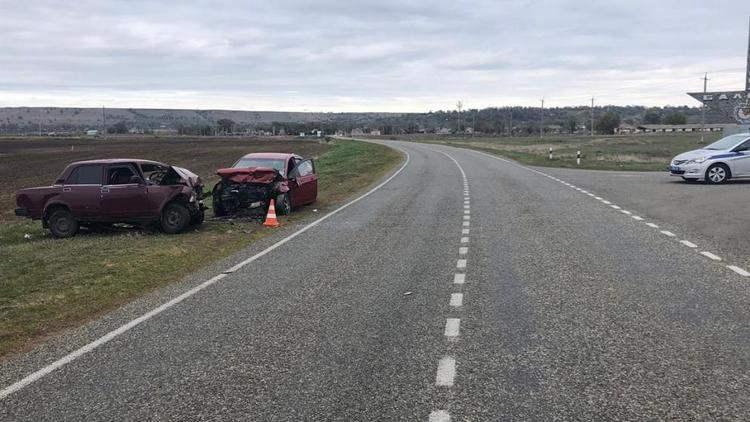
column 727, row 143
column 260, row 162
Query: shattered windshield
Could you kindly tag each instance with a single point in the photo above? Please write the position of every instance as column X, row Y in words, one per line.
column 260, row 162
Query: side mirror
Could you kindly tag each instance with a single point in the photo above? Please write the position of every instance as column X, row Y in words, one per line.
column 136, row 179
column 60, row 181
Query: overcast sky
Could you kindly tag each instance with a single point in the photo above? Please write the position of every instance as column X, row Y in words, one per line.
column 386, row 55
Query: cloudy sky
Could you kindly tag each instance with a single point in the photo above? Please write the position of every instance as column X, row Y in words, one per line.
column 349, row 55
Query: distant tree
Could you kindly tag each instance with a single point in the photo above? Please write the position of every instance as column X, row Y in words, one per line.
column 607, row 123
column 225, row 125
column 572, row 125
column 675, row 119
column 652, row 116
column 119, row 127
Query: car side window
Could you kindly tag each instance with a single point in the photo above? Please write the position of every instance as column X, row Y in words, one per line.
column 745, row 146
column 119, row 175
column 305, row 168
column 85, row 175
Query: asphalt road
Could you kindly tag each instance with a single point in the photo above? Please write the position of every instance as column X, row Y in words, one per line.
column 514, row 297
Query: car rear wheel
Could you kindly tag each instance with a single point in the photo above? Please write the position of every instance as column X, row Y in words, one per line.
column 62, row 224
column 716, row 174
column 283, row 204
column 174, row 218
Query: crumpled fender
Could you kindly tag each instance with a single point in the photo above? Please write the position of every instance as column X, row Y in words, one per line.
column 282, row 187
column 261, row 175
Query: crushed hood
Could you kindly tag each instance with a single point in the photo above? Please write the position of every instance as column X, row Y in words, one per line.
column 188, row 176
column 262, row 175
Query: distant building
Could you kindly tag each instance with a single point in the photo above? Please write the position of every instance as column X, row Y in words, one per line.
column 357, row 131
column 375, row 132
column 714, row 127
column 626, row 129
column 92, row 132
column 444, row 131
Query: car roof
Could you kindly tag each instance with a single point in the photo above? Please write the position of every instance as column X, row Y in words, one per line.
column 271, row 155
column 117, row 161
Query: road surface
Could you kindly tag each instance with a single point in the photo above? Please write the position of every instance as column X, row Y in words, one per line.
column 504, row 294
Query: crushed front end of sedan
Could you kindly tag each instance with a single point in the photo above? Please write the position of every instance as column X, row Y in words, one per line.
column 247, row 191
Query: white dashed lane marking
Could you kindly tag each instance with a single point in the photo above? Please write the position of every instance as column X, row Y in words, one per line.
column 465, row 231
column 652, row 225
column 464, row 240
column 667, row 233
column 446, row 372
column 739, row 270
column 711, row 256
column 452, row 327
column 463, row 250
column 688, row 243
column 459, row 279
column 457, row 299
column 440, row 416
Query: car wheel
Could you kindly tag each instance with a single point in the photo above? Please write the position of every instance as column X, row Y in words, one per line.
column 716, row 174
column 62, row 224
column 174, row 218
column 283, row 204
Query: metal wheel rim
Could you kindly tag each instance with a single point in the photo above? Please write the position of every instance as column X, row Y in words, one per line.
column 173, row 218
column 62, row 225
column 717, row 174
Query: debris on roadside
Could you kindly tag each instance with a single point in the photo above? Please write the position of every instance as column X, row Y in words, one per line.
column 27, row 236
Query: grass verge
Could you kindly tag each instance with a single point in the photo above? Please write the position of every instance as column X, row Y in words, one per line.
column 641, row 152
column 49, row 284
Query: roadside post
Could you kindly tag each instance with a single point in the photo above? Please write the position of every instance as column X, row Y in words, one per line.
column 578, row 158
column 550, row 153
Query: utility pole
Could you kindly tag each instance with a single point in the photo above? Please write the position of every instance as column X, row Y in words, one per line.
column 747, row 76
column 104, row 122
column 473, row 122
column 592, row 116
column 458, row 122
column 541, row 121
column 510, row 128
column 703, row 106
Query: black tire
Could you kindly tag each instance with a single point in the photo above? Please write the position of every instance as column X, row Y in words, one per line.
column 283, row 204
column 717, row 174
column 174, row 218
column 216, row 205
column 62, row 224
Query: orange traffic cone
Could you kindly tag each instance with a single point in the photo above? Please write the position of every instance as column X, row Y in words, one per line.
column 271, row 220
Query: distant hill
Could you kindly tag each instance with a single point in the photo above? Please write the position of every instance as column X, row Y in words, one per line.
column 32, row 120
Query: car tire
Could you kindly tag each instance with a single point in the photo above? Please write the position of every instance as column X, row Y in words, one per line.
column 216, row 205
column 717, row 174
column 283, row 204
column 174, row 218
column 62, row 224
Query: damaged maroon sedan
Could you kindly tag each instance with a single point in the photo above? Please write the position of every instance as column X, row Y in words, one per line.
column 248, row 186
column 102, row 192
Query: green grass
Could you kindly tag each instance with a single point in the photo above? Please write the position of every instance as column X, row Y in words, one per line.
column 641, row 152
column 48, row 284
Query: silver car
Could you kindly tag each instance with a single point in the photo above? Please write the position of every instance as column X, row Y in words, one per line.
column 726, row 158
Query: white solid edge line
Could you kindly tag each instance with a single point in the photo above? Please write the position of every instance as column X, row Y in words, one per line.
column 457, row 300
column 18, row 385
column 440, row 416
column 446, row 371
column 711, row 256
column 739, row 270
column 452, row 327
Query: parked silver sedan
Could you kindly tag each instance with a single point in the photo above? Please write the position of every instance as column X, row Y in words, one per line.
column 727, row 158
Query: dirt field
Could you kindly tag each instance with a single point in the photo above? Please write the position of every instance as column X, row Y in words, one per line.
column 26, row 162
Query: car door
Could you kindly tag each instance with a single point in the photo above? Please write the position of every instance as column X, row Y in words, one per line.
column 740, row 165
column 121, row 197
column 303, row 183
column 81, row 190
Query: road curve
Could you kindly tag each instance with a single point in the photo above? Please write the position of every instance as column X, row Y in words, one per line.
column 466, row 288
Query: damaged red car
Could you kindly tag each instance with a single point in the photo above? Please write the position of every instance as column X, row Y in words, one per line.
column 103, row 192
column 247, row 187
